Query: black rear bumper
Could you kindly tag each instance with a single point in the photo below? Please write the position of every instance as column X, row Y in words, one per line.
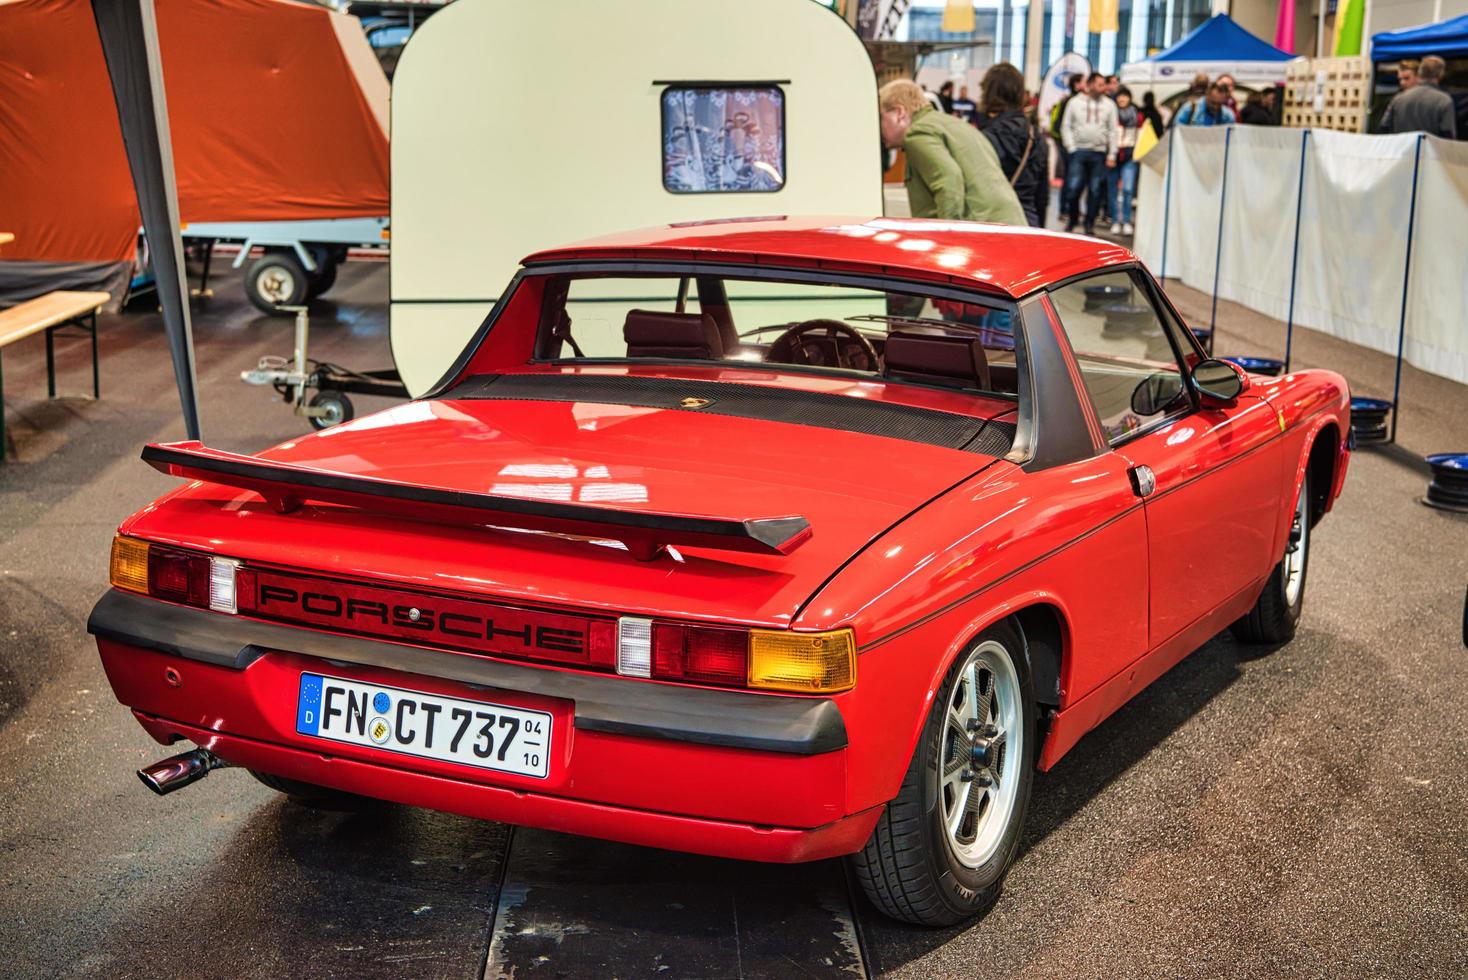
column 623, row 706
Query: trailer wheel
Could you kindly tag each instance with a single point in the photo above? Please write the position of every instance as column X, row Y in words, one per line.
column 275, row 280
column 322, row 279
column 338, row 409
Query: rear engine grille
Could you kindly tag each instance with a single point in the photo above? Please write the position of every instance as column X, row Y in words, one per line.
column 840, row 412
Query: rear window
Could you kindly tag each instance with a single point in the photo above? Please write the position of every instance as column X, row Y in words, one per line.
column 822, row 327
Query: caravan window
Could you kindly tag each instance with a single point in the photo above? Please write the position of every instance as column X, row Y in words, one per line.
column 723, row 140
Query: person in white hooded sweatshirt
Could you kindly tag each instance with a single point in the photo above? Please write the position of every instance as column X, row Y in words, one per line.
column 1089, row 132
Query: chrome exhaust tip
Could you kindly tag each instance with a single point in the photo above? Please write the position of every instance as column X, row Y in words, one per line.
column 178, row 771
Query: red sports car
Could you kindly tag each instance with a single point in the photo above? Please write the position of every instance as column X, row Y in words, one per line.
column 776, row 539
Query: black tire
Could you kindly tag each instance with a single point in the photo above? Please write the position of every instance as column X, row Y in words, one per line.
column 276, row 280
column 910, row 868
column 1274, row 617
column 313, row 796
column 335, row 402
column 322, row 279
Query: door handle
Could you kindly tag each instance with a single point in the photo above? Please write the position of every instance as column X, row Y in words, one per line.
column 1143, row 481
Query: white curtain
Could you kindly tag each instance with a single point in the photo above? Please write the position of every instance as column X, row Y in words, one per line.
column 1352, row 232
column 1437, row 304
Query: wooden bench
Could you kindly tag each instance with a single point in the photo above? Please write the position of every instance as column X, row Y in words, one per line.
column 51, row 312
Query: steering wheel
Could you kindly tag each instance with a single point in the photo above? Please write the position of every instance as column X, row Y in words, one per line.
column 843, row 343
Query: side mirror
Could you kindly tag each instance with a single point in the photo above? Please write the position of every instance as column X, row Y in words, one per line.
column 1219, row 382
column 1156, row 393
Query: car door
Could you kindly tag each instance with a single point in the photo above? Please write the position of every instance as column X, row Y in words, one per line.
column 1209, row 477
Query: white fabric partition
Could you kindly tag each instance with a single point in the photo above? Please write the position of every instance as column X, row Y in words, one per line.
column 1353, row 236
column 1258, row 232
column 1352, row 232
column 1437, row 308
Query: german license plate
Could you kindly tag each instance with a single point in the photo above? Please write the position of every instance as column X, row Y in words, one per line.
column 431, row 726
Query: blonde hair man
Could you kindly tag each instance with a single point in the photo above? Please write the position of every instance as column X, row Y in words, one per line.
column 952, row 170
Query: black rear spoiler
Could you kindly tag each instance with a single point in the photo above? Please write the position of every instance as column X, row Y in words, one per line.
column 285, row 486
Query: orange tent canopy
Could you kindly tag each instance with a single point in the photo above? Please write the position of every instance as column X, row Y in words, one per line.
column 278, row 111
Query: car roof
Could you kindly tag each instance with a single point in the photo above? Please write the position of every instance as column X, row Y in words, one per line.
column 1006, row 259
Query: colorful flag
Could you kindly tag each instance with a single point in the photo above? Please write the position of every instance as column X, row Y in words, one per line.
column 1146, row 140
column 1284, row 27
column 1105, row 15
column 958, row 17
column 1348, row 25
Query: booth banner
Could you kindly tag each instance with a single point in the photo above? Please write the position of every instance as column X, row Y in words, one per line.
column 1055, row 85
column 1350, row 272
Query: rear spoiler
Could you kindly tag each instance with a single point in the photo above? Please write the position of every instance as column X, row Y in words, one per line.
column 285, row 486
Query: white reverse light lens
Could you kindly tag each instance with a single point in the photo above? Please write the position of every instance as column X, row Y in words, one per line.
column 221, row 584
column 634, row 646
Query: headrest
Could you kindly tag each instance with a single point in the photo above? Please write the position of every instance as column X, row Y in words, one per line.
column 955, row 362
column 651, row 333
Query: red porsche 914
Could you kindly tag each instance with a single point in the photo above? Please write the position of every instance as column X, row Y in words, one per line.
column 774, row 539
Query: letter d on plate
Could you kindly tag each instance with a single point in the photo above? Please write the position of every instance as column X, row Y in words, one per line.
column 308, row 706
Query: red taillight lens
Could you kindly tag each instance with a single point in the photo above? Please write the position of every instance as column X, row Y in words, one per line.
column 178, row 576
column 601, row 643
column 699, row 653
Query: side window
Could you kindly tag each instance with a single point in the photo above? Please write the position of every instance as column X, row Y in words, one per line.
column 1121, row 347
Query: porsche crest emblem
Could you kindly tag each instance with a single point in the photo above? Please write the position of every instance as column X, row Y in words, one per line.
column 692, row 402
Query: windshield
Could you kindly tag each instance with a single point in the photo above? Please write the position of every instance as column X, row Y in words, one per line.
column 862, row 329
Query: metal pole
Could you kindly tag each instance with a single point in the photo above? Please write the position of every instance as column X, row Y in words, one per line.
column 1218, row 251
column 1166, row 210
column 128, row 31
column 1295, row 255
column 1406, row 281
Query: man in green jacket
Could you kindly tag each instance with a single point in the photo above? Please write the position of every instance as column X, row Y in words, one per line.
column 952, row 169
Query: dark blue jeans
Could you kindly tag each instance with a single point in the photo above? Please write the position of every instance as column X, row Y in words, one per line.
column 1086, row 169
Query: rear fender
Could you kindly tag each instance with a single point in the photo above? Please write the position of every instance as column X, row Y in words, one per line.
column 897, row 693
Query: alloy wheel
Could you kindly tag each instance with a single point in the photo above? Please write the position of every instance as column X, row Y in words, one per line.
column 982, row 743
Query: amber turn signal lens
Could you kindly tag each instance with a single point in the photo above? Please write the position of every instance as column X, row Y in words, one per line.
column 129, row 564
column 806, row 663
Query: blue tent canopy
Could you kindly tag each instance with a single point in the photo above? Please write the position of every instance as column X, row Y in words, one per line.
column 1219, row 39
column 1448, row 40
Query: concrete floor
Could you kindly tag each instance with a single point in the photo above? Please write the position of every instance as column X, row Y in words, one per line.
column 1300, row 813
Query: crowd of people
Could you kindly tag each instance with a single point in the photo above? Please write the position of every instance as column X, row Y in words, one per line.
column 1004, row 174
column 990, row 160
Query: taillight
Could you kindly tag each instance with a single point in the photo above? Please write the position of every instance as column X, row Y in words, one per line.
column 174, row 574
column 699, row 653
column 178, row 576
column 782, row 660
column 129, row 566
column 774, row 660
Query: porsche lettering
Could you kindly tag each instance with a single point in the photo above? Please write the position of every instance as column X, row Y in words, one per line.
column 363, row 615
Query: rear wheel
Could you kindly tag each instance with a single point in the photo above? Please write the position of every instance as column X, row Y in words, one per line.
column 311, row 795
column 1277, row 611
column 941, row 849
column 275, row 280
